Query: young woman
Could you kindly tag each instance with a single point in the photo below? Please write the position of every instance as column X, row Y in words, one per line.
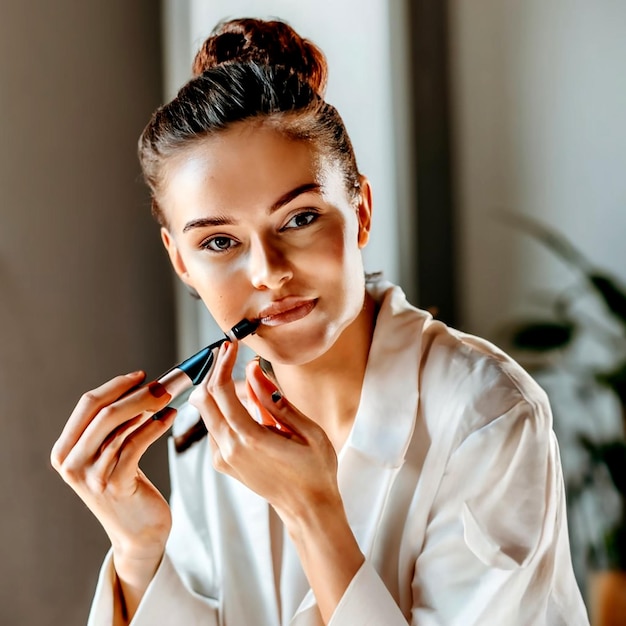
column 402, row 473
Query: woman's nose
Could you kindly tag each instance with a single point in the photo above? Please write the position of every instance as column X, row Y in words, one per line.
column 269, row 265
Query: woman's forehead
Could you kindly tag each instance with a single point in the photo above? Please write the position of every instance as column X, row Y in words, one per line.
column 246, row 153
column 242, row 167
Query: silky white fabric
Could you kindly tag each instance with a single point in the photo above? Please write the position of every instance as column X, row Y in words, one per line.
column 452, row 485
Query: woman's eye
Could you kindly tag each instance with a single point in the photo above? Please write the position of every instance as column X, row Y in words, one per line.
column 301, row 219
column 218, row 244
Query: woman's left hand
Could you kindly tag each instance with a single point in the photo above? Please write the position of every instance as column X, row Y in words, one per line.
column 293, row 466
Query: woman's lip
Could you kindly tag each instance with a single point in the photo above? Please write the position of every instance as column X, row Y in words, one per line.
column 283, row 304
column 286, row 311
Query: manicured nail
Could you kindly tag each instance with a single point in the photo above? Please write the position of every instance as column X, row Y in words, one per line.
column 135, row 374
column 162, row 413
column 157, row 389
column 224, row 348
column 276, row 396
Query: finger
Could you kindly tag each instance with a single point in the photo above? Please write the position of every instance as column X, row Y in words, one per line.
column 96, row 474
column 87, row 408
column 268, row 420
column 141, row 399
column 222, row 388
column 142, row 404
column 262, row 415
column 110, row 448
column 145, row 402
column 224, row 365
column 135, row 446
column 117, row 467
column 126, row 428
column 267, row 395
column 203, row 400
column 113, row 443
column 219, row 462
column 241, row 391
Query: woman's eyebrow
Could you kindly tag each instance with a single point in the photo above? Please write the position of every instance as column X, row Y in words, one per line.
column 294, row 193
column 218, row 220
column 202, row 222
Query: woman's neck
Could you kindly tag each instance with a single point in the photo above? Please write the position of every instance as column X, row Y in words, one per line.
column 328, row 390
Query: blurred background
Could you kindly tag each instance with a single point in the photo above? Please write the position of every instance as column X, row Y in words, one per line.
column 462, row 113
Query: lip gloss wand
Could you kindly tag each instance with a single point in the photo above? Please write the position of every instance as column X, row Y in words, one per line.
column 194, row 369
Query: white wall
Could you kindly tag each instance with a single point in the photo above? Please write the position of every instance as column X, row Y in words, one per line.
column 365, row 73
column 539, row 95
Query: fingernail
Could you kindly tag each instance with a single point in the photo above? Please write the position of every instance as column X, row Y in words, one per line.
column 162, row 413
column 266, row 368
column 276, row 396
column 135, row 374
column 157, row 389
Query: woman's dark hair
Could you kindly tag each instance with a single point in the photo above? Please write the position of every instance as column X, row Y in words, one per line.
column 249, row 69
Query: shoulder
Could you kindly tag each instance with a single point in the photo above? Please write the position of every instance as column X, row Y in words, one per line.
column 472, row 383
column 455, row 369
column 462, row 382
column 458, row 373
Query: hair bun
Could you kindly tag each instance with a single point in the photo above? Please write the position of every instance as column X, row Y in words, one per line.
column 272, row 43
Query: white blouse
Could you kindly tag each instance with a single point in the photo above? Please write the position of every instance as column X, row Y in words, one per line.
column 452, row 485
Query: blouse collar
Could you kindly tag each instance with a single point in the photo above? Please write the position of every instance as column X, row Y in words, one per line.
column 388, row 407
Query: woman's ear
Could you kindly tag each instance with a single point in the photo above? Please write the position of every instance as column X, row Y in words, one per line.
column 175, row 258
column 364, row 211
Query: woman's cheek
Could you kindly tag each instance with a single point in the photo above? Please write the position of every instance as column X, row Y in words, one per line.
column 221, row 291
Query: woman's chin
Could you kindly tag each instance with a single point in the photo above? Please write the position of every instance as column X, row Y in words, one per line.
column 305, row 340
column 293, row 348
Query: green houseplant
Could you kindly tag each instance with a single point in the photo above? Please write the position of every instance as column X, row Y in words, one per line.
column 553, row 338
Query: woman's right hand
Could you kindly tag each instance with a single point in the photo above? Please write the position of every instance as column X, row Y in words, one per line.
column 98, row 455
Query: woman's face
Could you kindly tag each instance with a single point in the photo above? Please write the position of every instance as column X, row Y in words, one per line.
column 262, row 228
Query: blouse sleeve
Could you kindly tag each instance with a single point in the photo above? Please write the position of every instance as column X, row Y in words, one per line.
column 367, row 602
column 167, row 601
column 496, row 549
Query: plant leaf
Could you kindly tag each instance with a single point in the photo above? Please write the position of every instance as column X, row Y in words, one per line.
column 615, row 380
column 542, row 335
column 613, row 455
column 557, row 243
column 613, row 296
